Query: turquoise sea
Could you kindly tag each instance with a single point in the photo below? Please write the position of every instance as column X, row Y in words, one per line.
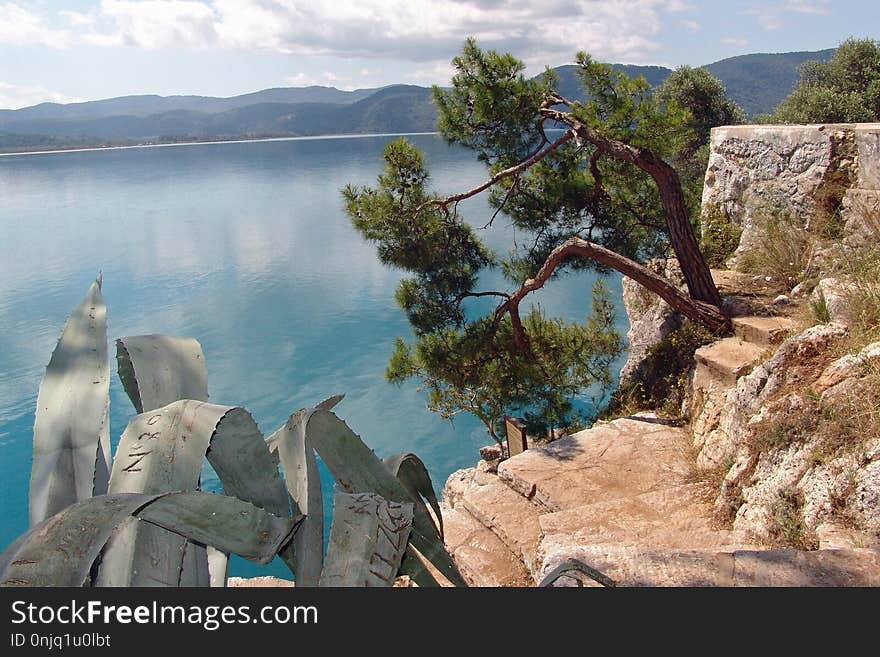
column 245, row 247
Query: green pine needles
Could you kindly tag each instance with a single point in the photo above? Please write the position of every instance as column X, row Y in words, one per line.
column 587, row 183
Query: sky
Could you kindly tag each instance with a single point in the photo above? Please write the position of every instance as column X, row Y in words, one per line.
column 73, row 50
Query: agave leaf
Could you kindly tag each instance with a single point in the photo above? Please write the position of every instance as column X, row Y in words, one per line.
column 300, row 468
column 71, row 432
column 163, row 450
column 242, row 461
column 329, row 403
column 60, row 550
column 156, row 370
column 414, row 476
column 358, row 469
column 194, row 569
column 224, row 522
column 368, row 539
column 413, row 566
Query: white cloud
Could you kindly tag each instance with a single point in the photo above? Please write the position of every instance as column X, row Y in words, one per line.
column 732, row 41
column 13, row 96
column 441, row 70
column 774, row 17
column 416, row 30
column 818, row 7
column 21, row 27
column 325, row 79
column 156, row 24
column 693, row 26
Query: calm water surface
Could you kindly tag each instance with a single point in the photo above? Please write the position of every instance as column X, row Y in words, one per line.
column 244, row 246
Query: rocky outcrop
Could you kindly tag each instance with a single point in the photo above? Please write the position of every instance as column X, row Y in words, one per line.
column 792, row 472
column 807, row 172
column 621, row 499
column 650, row 318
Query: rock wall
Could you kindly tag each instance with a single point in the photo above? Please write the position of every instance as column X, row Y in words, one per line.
column 834, row 488
column 806, row 169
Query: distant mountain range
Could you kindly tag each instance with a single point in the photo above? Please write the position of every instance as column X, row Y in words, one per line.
column 757, row 82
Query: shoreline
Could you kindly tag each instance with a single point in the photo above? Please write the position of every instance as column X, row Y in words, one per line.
column 87, row 149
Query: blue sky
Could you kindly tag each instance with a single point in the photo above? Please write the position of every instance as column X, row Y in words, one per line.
column 67, row 50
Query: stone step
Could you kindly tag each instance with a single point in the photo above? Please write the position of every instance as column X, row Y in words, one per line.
column 623, row 458
column 633, row 566
column 482, row 558
column 512, row 517
column 679, row 517
column 763, row 331
column 727, row 359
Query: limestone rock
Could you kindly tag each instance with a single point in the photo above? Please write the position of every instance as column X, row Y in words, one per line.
column 456, row 485
column 801, row 290
column 850, row 365
column 482, row 558
column 834, row 293
column 861, row 207
column 833, row 536
column 507, row 514
column 753, row 169
column 626, row 457
column 651, row 319
column 264, row 581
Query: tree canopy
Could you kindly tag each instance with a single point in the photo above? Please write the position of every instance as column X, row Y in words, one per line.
column 845, row 89
column 591, row 185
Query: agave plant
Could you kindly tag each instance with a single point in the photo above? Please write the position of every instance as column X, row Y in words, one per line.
column 141, row 519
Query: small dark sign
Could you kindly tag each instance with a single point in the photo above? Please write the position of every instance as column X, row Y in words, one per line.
column 516, row 435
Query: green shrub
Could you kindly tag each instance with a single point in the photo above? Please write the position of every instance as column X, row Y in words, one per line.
column 789, row 529
column 819, row 308
column 662, row 380
column 719, row 237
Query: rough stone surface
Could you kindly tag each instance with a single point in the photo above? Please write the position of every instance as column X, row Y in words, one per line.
column 506, row 513
column 719, row 367
column 623, row 458
column 845, row 486
column 650, row 318
column 763, row 331
column 861, row 207
column 803, row 168
column 868, row 144
column 456, row 485
column 834, row 293
column 727, row 359
column 676, row 517
column 482, row 558
column 264, row 581
column 832, row 536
